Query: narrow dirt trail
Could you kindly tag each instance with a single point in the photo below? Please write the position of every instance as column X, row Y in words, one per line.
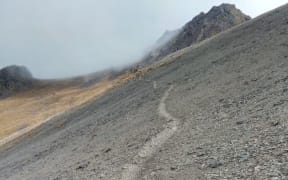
column 132, row 171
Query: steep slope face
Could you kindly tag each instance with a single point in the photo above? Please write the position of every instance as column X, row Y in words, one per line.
column 203, row 26
column 14, row 78
column 228, row 96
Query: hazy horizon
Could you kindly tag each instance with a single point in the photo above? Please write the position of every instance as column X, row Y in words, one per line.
column 63, row 38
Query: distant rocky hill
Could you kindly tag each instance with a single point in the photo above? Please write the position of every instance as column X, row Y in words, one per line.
column 14, row 78
column 19, row 78
column 203, row 26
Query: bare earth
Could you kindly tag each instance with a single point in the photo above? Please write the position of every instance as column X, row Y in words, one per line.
column 218, row 112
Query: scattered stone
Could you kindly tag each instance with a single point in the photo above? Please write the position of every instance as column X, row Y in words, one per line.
column 213, row 163
column 107, row 150
column 239, row 122
column 187, row 78
column 246, row 83
column 275, row 123
column 130, row 145
column 173, row 168
column 201, row 154
column 223, row 115
column 279, row 103
column 227, row 105
column 285, row 90
column 257, row 169
column 221, row 100
column 102, row 176
column 244, row 156
column 284, row 169
column 81, row 167
column 190, row 153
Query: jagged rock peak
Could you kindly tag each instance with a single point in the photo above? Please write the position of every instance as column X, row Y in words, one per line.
column 201, row 27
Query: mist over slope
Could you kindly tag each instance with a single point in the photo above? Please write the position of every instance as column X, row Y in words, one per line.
column 16, row 79
column 201, row 27
column 166, row 37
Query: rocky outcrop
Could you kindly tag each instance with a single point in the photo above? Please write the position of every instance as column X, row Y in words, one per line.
column 203, row 26
column 14, row 78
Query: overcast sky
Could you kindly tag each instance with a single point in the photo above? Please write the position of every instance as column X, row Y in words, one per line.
column 61, row 38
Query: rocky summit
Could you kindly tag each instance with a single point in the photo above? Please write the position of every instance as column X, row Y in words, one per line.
column 14, row 78
column 201, row 27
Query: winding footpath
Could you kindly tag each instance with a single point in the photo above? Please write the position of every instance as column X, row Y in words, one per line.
column 133, row 170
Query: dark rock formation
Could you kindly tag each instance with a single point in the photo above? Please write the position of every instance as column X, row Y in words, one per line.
column 14, row 78
column 203, row 26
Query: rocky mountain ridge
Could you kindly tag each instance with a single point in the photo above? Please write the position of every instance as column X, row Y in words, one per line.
column 201, row 27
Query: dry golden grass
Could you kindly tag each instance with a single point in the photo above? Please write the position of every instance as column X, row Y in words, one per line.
column 27, row 110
